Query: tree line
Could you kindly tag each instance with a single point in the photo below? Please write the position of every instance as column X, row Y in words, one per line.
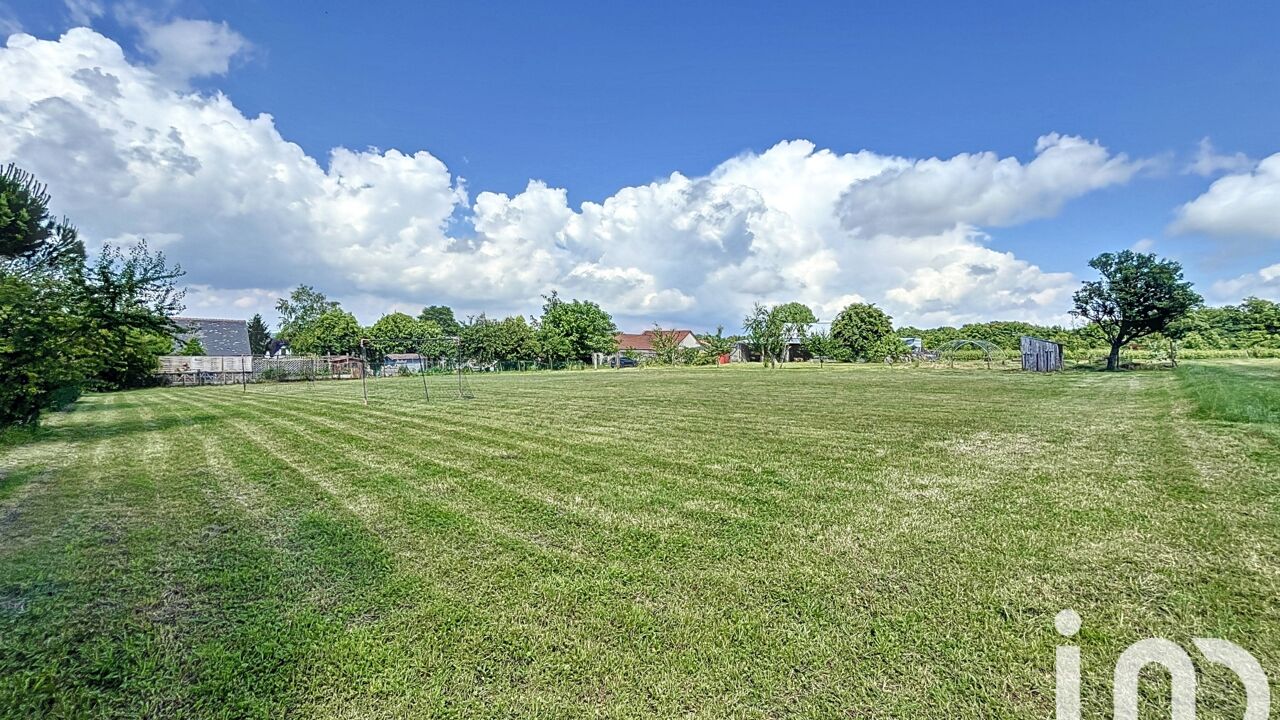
column 311, row 324
column 69, row 323
column 1138, row 297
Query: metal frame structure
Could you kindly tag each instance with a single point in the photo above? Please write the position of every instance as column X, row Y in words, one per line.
column 464, row 387
column 947, row 350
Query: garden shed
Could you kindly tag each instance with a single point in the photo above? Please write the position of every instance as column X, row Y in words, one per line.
column 1040, row 355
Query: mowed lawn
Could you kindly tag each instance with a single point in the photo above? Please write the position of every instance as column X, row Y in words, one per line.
column 848, row 541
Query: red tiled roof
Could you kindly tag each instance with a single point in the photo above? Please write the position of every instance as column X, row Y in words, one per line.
column 644, row 340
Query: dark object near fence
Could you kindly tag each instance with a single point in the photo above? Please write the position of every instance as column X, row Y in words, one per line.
column 1040, row 355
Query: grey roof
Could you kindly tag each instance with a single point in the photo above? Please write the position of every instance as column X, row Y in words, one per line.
column 219, row 337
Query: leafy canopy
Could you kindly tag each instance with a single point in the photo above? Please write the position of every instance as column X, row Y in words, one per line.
column 66, row 324
column 765, row 333
column 442, row 316
column 30, row 239
column 397, row 333
column 795, row 318
column 860, row 329
column 1137, row 295
column 485, row 340
column 304, row 306
column 574, row 330
column 336, row 332
column 192, row 346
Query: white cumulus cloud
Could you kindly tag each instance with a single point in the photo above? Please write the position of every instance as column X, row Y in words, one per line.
column 1265, row 283
column 183, row 49
column 1209, row 161
column 1244, row 204
column 84, row 12
column 129, row 153
column 925, row 196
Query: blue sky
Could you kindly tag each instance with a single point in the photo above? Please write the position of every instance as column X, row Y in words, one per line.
column 593, row 98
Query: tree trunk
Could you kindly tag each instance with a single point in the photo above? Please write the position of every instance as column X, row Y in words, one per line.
column 1113, row 360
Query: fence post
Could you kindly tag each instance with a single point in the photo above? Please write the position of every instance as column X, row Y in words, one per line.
column 364, row 386
column 422, row 368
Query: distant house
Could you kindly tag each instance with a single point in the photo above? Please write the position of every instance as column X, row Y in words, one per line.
column 642, row 343
column 227, row 356
column 392, row 362
column 219, row 338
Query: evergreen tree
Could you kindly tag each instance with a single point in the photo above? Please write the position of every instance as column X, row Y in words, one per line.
column 259, row 336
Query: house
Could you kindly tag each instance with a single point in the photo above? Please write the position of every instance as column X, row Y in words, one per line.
column 642, row 343
column 219, row 338
column 392, row 363
column 227, row 357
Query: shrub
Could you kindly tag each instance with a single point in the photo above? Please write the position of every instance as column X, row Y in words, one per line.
column 64, row 396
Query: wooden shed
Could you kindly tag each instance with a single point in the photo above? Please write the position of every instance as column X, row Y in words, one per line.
column 1040, row 355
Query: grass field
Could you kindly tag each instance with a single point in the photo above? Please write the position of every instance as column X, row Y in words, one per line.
column 716, row 542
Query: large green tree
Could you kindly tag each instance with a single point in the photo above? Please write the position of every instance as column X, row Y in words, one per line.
column 1259, row 323
column 485, row 340
column 46, row 344
column 336, row 332
column 396, row 333
column 1137, row 295
column 31, row 240
column 860, row 329
column 515, row 339
column 765, row 334
column 441, row 315
column 796, row 319
column 66, row 324
column 45, row 357
column 304, row 306
column 573, row 330
column 130, row 299
column 259, row 335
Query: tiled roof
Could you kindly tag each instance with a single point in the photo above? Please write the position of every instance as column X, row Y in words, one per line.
column 219, row 337
column 644, row 340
